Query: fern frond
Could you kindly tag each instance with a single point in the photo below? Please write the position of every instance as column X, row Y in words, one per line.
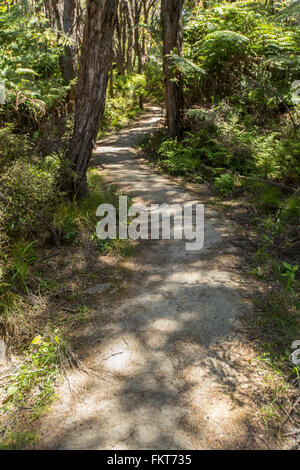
column 292, row 10
column 223, row 39
column 186, row 66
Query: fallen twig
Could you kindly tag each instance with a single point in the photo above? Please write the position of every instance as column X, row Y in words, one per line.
column 292, row 433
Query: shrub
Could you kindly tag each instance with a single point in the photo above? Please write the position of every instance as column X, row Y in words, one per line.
column 28, row 198
column 154, row 78
column 240, row 46
column 123, row 105
column 12, row 146
column 29, row 65
column 224, row 183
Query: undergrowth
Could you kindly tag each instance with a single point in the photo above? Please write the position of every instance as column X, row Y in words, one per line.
column 29, row 291
column 236, row 165
column 122, row 102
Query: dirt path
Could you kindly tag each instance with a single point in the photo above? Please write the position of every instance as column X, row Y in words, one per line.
column 168, row 368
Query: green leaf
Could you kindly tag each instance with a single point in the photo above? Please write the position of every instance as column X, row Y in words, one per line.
column 12, row 390
column 37, row 340
column 287, row 265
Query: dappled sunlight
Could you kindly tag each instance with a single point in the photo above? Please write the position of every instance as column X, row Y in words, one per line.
column 122, row 356
column 166, row 325
column 156, row 375
column 149, row 225
column 147, row 375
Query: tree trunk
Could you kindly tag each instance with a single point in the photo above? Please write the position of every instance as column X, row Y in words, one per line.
column 129, row 16
column 138, row 49
column 91, row 90
column 118, row 43
column 57, row 14
column 49, row 13
column 69, row 26
column 171, row 15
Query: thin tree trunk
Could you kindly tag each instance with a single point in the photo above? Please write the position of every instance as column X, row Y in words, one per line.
column 69, row 25
column 148, row 6
column 138, row 49
column 49, row 13
column 91, row 90
column 111, row 73
column 124, row 36
column 57, row 14
column 171, row 15
column 118, row 47
column 128, row 11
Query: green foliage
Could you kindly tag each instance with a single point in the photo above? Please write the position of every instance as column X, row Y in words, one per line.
column 75, row 221
column 225, row 137
column 123, row 106
column 130, row 85
column 185, row 66
column 16, row 440
column 268, row 196
column 224, row 183
column 276, row 320
column 241, row 47
column 290, row 274
column 153, row 70
column 292, row 208
column 28, row 199
column 220, row 47
column 23, row 256
column 29, row 65
column 178, row 158
column 33, row 383
column 277, row 316
column 220, row 143
column 13, row 146
column 291, row 12
column 117, row 113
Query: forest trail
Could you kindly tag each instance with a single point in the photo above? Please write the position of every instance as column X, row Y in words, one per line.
column 165, row 365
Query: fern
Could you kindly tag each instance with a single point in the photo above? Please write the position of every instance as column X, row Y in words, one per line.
column 292, row 10
column 223, row 45
column 29, row 64
column 186, row 66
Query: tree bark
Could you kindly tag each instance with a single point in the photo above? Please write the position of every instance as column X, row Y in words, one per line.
column 57, row 14
column 69, row 26
column 91, row 90
column 129, row 17
column 137, row 45
column 171, row 16
column 119, row 42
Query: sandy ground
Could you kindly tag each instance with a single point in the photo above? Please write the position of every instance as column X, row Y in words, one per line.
column 167, row 364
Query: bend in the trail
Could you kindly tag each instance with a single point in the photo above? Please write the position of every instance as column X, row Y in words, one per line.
column 164, row 351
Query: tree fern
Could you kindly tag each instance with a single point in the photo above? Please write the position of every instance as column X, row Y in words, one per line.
column 186, row 66
column 221, row 47
column 227, row 42
column 292, row 10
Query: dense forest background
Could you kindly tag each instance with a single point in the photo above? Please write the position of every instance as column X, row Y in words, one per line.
column 226, row 73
